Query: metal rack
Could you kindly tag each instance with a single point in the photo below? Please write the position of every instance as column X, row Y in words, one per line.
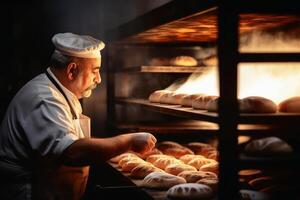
column 227, row 15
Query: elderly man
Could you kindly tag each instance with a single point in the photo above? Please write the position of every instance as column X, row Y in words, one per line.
column 45, row 144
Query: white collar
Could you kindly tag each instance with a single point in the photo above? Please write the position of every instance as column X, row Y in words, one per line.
column 71, row 97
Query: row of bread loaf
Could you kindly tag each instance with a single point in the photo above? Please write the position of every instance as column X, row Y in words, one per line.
column 251, row 104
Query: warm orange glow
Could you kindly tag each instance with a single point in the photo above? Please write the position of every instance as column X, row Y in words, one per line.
column 275, row 81
column 201, row 83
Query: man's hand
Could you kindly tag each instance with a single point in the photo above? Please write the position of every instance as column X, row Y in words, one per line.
column 142, row 142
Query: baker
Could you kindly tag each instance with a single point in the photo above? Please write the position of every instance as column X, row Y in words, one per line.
column 45, row 143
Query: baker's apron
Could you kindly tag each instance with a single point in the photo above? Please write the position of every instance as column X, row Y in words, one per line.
column 64, row 182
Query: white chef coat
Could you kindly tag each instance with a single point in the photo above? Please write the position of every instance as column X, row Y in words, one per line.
column 36, row 129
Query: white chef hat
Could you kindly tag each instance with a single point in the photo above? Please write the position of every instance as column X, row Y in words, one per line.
column 82, row 46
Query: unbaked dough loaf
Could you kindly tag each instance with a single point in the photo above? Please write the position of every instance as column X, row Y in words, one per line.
column 156, row 96
column 194, row 176
column 255, row 104
column 161, row 180
column 291, row 105
column 201, row 102
column 184, row 61
column 268, row 146
column 188, row 100
column 142, row 170
column 176, row 168
column 189, row 191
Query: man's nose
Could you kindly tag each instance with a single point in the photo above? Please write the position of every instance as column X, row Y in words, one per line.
column 98, row 78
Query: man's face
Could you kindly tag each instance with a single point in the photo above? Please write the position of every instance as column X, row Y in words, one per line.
column 88, row 76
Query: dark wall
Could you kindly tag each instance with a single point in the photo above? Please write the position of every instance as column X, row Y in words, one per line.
column 27, row 28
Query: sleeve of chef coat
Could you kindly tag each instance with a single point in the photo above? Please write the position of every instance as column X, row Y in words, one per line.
column 49, row 128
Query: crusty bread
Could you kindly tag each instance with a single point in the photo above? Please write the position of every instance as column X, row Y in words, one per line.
column 172, row 98
column 153, row 158
column 252, row 104
column 189, row 191
column 210, row 182
column 142, row 170
column 255, row 104
column 156, row 96
column 199, row 162
column 210, row 167
column 161, row 180
column 183, row 61
column 201, row 102
column 212, row 105
column 188, row 100
column 290, row 105
column 268, row 146
column 176, row 168
column 194, row 176
column 162, row 163
column 188, row 157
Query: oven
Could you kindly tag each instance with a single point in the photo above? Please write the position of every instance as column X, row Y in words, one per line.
column 235, row 59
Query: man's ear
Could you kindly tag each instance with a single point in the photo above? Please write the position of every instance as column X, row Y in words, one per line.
column 72, row 71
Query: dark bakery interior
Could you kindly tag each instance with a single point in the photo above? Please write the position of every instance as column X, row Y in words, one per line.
column 244, row 55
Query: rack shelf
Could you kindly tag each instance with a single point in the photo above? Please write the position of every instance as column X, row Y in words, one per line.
column 176, row 110
column 195, row 23
column 166, row 69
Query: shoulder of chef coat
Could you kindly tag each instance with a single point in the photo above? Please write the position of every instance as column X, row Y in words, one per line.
column 48, row 122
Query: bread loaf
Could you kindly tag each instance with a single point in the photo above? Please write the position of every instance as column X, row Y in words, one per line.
column 194, row 176
column 189, row 191
column 142, row 170
column 161, row 180
column 210, row 182
column 188, row 100
column 291, row 105
column 153, row 158
column 254, row 104
column 268, row 146
column 184, row 61
column 176, row 168
column 162, row 163
column 201, row 102
column 188, row 157
column 155, row 97
column 210, row 167
column 172, row 98
column 199, row 162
